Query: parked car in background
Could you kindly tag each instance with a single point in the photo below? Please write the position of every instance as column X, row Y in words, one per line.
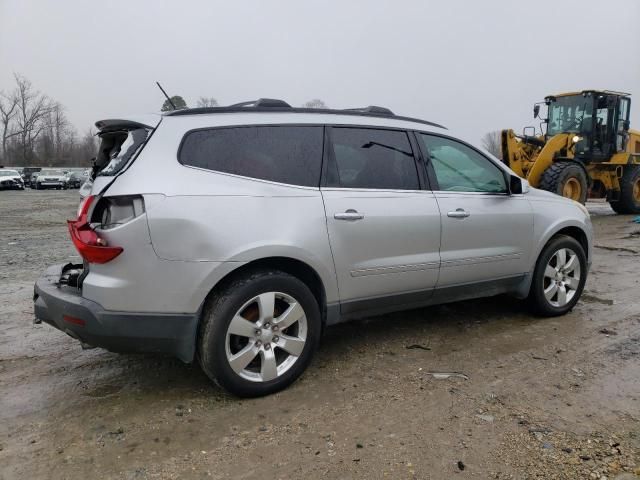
column 27, row 172
column 75, row 178
column 232, row 236
column 49, row 178
column 10, row 180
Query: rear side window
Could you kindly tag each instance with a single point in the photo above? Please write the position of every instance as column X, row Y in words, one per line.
column 285, row 154
column 371, row 158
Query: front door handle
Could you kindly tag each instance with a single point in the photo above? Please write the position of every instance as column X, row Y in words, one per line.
column 349, row 215
column 458, row 213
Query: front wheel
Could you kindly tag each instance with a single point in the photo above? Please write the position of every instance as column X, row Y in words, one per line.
column 567, row 179
column 259, row 333
column 629, row 201
column 559, row 277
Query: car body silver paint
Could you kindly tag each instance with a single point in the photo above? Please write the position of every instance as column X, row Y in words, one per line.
column 201, row 225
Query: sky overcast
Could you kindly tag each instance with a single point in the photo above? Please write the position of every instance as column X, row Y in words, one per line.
column 474, row 66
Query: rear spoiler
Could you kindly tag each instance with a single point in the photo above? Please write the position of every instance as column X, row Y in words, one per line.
column 148, row 122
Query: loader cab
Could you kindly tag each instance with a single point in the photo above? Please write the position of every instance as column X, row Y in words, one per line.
column 599, row 120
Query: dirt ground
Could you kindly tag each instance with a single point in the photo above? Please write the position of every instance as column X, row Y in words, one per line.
column 540, row 398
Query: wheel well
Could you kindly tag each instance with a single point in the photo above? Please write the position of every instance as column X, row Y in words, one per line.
column 579, row 235
column 293, row 267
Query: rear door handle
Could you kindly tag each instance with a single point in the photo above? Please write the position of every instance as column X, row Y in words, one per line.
column 349, row 215
column 458, row 213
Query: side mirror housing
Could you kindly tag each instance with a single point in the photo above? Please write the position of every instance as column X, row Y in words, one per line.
column 536, row 110
column 626, row 125
column 515, row 185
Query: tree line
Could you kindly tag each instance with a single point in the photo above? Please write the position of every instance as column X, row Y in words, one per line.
column 35, row 130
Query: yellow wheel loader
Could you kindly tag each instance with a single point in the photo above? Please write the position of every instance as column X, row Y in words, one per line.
column 585, row 149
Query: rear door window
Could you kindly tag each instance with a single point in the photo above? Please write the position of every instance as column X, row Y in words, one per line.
column 372, row 158
column 284, row 154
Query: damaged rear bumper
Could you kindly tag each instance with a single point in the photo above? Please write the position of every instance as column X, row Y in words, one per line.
column 64, row 308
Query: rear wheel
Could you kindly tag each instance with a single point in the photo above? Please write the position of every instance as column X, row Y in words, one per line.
column 559, row 277
column 259, row 333
column 567, row 179
column 629, row 201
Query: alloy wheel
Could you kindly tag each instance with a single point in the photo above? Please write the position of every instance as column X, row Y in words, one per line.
column 561, row 277
column 266, row 336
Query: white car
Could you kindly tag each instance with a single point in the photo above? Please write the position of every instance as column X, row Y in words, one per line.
column 51, row 178
column 10, row 180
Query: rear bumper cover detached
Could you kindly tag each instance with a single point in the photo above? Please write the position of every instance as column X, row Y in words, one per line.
column 64, row 308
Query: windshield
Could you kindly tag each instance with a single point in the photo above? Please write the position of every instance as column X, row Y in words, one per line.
column 51, row 172
column 9, row 173
column 569, row 114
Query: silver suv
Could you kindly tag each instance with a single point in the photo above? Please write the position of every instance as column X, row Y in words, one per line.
column 234, row 235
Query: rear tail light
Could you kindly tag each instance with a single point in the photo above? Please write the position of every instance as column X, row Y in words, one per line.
column 90, row 246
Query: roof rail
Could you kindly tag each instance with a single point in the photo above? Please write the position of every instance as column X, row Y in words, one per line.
column 272, row 105
column 371, row 109
column 263, row 102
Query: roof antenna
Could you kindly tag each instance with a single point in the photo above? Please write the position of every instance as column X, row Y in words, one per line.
column 165, row 94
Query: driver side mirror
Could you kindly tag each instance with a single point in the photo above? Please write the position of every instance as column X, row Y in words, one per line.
column 626, row 125
column 536, row 111
column 515, row 185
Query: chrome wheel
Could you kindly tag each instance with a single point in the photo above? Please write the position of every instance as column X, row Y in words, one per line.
column 266, row 337
column 561, row 277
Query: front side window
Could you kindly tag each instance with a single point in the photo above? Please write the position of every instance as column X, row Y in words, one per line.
column 459, row 168
column 371, row 158
column 284, row 154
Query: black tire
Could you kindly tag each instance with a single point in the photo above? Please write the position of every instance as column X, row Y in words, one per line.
column 629, row 202
column 537, row 299
column 223, row 305
column 558, row 175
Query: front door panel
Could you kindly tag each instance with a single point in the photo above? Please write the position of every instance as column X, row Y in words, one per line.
column 493, row 241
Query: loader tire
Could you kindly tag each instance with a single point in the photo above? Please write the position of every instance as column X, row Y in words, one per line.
column 567, row 179
column 629, row 201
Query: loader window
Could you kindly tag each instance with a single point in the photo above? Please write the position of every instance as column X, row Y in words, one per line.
column 459, row 168
column 570, row 114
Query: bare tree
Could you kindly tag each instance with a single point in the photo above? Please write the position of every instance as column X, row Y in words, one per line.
column 492, row 142
column 8, row 108
column 206, row 102
column 33, row 108
column 315, row 103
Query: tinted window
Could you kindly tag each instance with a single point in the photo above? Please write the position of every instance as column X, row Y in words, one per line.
column 369, row 158
column 280, row 154
column 459, row 168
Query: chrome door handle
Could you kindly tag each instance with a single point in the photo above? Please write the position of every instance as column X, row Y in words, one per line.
column 458, row 213
column 349, row 215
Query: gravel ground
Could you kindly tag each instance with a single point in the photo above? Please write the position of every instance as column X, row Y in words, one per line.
column 540, row 398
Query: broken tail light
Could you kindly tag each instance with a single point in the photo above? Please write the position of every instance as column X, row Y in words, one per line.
column 90, row 246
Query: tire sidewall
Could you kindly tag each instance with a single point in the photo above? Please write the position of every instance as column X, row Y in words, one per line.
column 212, row 353
column 537, row 297
column 573, row 170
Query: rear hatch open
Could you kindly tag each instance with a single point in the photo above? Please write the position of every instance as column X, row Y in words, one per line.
column 121, row 141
